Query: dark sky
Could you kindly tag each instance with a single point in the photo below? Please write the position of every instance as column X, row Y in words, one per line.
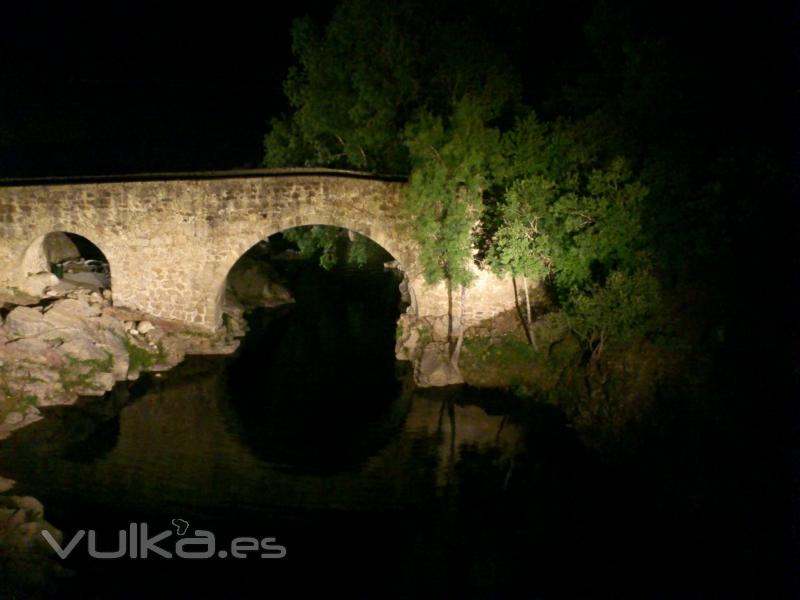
column 154, row 91
column 144, row 91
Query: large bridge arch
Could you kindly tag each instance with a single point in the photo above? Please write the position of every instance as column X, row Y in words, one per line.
column 247, row 242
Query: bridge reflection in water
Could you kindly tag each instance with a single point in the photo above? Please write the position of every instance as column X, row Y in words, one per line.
column 183, row 445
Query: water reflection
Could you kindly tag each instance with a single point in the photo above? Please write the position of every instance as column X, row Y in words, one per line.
column 185, row 443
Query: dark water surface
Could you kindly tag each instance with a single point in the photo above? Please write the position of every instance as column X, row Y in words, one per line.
column 313, row 435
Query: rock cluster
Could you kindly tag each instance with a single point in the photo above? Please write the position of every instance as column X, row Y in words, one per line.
column 27, row 564
column 425, row 342
column 71, row 343
column 78, row 344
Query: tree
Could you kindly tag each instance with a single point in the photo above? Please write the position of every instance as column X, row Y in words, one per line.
column 566, row 218
column 368, row 73
column 349, row 98
column 453, row 166
column 522, row 243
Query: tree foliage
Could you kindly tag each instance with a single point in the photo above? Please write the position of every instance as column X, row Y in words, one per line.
column 334, row 246
column 454, row 162
column 626, row 306
column 369, row 72
column 573, row 219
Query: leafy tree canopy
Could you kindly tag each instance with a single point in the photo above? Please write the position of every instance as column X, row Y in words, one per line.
column 567, row 214
column 372, row 70
column 454, row 163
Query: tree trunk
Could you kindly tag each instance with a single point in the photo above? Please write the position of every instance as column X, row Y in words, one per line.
column 456, row 353
column 450, row 317
column 531, row 335
column 522, row 320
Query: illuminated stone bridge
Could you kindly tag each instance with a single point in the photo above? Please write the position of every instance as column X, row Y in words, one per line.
column 171, row 240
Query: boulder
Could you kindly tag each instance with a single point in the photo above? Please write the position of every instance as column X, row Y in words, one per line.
column 145, row 327
column 173, row 351
column 13, row 418
column 62, row 288
column 93, row 281
column 61, row 318
column 405, row 291
column 112, row 344
column 254, row 283
column 103, row 381
column 33, row 346
column 36, row 284
column 234, row 309
column 76, row 306
column 410, row 343
column 6, row 484
column 59, row 247
column 30, row 505
column 406, row 345
column 434, row 368
column 83, row 350
column 24, row 321
column 109, row 323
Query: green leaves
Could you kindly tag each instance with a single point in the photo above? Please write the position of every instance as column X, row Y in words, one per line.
column 523, row 243
column 372, row 70
column 453, row 165
column 334, row 246
column 626, row 306
column 572, row 220
column 350, row 91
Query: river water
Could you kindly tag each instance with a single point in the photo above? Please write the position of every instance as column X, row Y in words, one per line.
column 313, row 435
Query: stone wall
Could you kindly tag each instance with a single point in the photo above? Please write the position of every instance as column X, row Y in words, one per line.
column 171, row 243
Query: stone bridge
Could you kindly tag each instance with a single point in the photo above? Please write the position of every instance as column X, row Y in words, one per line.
column 171, row 240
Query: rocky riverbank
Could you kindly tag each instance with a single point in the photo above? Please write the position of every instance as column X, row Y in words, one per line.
column 440, row 359
column 28, row 568
column 69, row 341
column 56, row 349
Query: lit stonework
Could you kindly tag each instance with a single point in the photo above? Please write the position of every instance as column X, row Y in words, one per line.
column 171, row 242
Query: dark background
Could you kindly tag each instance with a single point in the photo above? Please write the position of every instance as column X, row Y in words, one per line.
column 141, row 92
column 153, row 90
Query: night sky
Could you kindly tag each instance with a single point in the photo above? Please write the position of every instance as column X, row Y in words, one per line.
column 141, row 92
column 154, row 91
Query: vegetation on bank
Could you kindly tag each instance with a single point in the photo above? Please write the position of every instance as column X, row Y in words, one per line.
column 142, row 359
column 625, row 207
column 13, row 399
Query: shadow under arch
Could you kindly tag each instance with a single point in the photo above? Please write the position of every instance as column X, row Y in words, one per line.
column 69, row 256
column 398, row 254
